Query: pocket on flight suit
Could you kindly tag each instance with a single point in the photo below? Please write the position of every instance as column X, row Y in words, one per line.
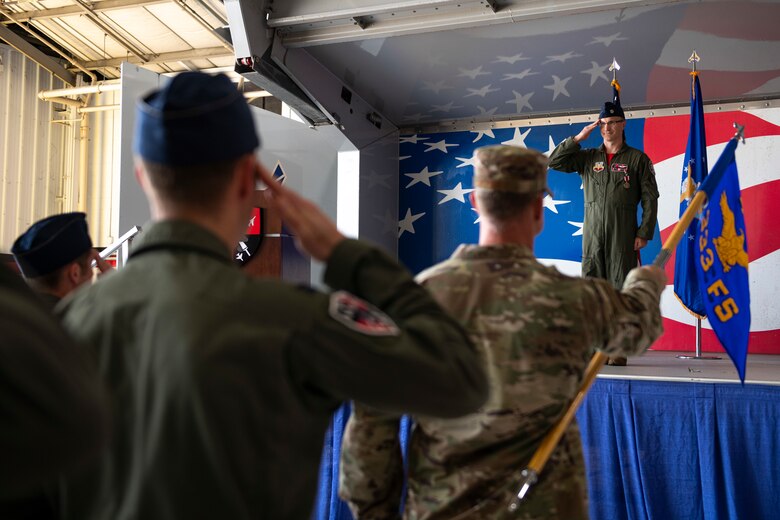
column 625, row 257
column 590, row 266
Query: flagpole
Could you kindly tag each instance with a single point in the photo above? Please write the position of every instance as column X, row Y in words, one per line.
column 693, row 60
column 530, row 475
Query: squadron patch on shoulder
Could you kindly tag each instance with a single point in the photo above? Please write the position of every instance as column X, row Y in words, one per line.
column 360, row 316
column 598, row 167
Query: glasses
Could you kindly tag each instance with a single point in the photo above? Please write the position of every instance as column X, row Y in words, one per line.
column 611, row 124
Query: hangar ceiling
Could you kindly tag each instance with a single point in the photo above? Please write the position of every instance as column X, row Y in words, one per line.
column 97, row 36
column 521, row 60
column 422, row 62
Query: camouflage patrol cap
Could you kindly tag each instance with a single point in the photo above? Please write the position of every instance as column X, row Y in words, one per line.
column 510, row 168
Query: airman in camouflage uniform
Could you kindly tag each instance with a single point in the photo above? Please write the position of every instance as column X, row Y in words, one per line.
column 537, row 329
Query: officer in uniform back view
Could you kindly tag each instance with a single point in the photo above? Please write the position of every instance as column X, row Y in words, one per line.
column 55, row 256
column 222, row 385
column 538, row 328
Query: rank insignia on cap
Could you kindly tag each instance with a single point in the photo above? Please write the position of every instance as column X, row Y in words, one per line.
column 360, row 316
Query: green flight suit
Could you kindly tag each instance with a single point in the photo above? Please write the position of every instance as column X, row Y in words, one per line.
column 611, row 198
column 223, row 386
column 53, row 414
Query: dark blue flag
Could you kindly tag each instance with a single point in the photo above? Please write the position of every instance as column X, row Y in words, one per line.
column 722, row 264
column 686, row 282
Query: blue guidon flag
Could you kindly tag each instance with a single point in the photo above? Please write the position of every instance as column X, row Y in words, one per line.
column 686, row 282
column 722, row 255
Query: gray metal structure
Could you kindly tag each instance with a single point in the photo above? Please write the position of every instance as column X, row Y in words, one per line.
column 421, row 64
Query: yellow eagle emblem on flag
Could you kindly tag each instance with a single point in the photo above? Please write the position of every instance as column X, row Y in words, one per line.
column 730, row 245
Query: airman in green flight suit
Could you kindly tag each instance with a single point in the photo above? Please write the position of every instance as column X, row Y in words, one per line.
column 615, row 179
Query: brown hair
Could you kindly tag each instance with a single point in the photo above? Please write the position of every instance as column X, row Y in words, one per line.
column 199, row 185
column 51, row 281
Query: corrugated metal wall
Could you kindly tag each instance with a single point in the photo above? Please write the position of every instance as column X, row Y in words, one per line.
column 40, row 153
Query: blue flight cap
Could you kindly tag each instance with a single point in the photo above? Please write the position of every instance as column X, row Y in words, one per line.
column 613, row 108
column 196, row 118
column 51, row 243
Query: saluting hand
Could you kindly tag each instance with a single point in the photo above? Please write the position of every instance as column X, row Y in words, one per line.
column 102, row 265
column 585, row 132
column 315, row 233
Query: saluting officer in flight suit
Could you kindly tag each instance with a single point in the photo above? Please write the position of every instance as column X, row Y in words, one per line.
column 615, row 179
column 223, row 386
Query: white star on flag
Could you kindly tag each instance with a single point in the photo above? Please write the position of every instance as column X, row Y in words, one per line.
column 465, row 162
column 456, row 193
column 558, row 86
column 472, row 73
column 551, row 203
column 482, row 133
column 389, row 223
column 578, row 225
column 519, row 75
column 443, row 108
column 521, row 101
column 407, row 223
column 518, row 139
column 510, row 59
column 607, row 40
column 551, row 146
column 561, row 57
column 414, row 117
column 402, row 157
column 424, row 177
column 596, row 71
column 483, row 112
column 435, row 87
column 479, row 218
column 440, row 145
column 481, row 92
column 414, row 139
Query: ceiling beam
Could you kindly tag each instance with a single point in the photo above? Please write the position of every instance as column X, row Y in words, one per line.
column 45, row 61
column 193, row 54
column 105, row 5
column 313, row 24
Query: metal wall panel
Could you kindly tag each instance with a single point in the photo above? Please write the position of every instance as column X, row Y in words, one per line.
column 40, row 152
column 32, row 150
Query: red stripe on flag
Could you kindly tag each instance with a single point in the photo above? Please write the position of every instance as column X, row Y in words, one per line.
column 679, row 336
column 667, row 137
column 672, row 84
column 758, row 207
column 741, row 20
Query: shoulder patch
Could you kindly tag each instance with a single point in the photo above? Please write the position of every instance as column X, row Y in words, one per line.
column 360, row 316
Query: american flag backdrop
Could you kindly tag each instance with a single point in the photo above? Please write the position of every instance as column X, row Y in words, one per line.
column 435, row 214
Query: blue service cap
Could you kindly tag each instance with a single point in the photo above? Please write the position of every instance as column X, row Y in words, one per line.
column 51, row 243
column 196, row 118
column 611, row 110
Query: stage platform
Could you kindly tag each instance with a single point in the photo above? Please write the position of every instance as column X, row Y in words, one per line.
column 663, row 365
column 663, row 438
